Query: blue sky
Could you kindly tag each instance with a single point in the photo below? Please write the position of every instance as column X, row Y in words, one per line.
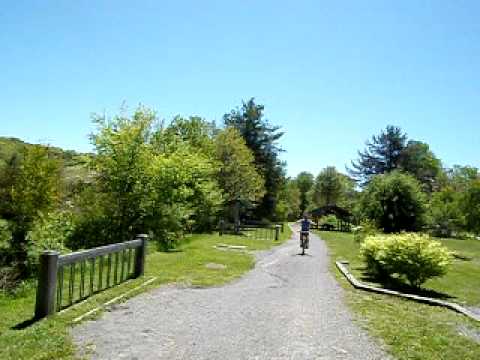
column 330, row 73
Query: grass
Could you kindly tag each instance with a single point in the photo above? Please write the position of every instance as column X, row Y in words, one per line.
column 49, row 339
column 412, row 330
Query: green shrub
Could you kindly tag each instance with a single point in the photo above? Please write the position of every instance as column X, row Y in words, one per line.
column 366, row 228
column 50, row 231
column 408, row 256
column 330, row 220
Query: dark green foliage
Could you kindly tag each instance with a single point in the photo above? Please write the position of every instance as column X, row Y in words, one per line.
column 418, row 160
column 383, row 154
column 262, row 138
column 471, row 206
column 445, row 215
column 304, row 182
column 390, row 151
column 395, row 202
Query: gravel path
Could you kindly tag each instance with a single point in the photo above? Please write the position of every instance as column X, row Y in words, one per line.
column 288, row 307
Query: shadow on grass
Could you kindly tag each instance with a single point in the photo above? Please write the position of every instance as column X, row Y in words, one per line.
column 462, row 257
column 24, row 324
column 390, row 283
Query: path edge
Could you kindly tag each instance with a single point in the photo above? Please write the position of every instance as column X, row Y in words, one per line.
column 342, row 267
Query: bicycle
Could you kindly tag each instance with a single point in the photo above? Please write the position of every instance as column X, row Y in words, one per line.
column 304, row 239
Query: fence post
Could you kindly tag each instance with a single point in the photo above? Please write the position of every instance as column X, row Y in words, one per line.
column 277, row 232
column 47, row 284
column 221, row 227
column 141, row 255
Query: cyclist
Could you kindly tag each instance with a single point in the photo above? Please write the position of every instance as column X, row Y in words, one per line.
column 304, row 233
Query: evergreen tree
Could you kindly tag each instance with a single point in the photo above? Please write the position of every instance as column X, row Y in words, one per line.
column 383, row 154
column 262, row 138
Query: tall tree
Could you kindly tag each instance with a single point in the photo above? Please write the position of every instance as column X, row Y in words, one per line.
column 304, row 182
column 383, row 154
column 237, row 176
column 262, row 138
column 123, row 154
column 328, row 187
column 288, row 206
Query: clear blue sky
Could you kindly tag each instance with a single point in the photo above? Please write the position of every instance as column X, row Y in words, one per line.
column 330, row 73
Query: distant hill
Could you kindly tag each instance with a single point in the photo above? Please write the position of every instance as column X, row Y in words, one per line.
column 74, row 163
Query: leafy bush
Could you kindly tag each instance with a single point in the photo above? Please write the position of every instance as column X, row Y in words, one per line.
column 445, row 216
column 366, row 228
column 330, row 220
column 395, row 202
column 50, row 231
column 408, row 256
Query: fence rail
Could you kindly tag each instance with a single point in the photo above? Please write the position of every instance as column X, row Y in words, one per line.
column 257, row 231
column 96, row 269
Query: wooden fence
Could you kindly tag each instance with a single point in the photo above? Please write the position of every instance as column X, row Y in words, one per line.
column 96, row 269
column 258, row 232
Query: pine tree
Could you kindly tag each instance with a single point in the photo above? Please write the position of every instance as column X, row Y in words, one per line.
column 383, row 154
column 262, row 138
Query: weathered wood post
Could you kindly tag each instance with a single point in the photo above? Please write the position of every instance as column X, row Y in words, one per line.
column 47, row 284
column 141, row 256
column 221, row 227
column 277, row 232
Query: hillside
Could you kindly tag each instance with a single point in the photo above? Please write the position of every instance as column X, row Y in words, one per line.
column 74, row 163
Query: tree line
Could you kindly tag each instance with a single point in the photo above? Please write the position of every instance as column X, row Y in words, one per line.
column 396, row 184
column 143, row 176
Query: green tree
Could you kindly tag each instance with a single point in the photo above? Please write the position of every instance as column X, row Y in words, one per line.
column 304, row 182
column 289, row 200
column 383, row 154
column 237, row 176
column 123, row 155
column 395, row 202
column 262, row 138
column 328, row 187
column 35, row 189
column 418, row 160
column 445, row 212
column 182, row 193
column 471, row 206
column 193, row 132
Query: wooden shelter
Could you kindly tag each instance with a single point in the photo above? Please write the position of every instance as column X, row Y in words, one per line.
column 344, row 217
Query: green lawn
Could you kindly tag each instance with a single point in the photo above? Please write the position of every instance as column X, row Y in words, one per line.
column 49, row 339
column 409, row 329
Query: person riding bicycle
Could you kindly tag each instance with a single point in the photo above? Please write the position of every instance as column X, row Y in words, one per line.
column 305, row 231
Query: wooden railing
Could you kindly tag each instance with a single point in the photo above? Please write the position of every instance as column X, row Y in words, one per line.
column 97, row 269
column 257, row 231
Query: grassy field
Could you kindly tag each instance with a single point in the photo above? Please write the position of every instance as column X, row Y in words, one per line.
column 411, row 330
column 49, row 339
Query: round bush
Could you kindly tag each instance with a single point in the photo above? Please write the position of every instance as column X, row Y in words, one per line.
column 408, row 256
